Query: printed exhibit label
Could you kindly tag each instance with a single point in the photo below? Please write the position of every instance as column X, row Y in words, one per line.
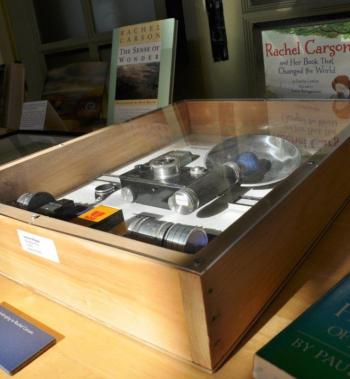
column 37, row 245
column 33, row 115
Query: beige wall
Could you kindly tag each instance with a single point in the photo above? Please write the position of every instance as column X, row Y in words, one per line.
column 208, row 78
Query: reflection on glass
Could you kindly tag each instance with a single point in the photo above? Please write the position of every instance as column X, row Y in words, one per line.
column 18, row 145
column 59, row 19
column 109, row 14
column 313, row 126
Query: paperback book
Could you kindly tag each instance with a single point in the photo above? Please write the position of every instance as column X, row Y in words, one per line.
column 20, row 341
column 142, row 69
column 315, row 345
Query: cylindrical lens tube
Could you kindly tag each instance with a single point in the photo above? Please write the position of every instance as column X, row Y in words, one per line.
column 185, row 238
column 149, row 229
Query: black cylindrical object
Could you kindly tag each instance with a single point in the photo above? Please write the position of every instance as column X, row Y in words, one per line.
column 31, row 201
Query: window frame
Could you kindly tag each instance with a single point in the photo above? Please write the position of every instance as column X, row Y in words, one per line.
column 32, row 52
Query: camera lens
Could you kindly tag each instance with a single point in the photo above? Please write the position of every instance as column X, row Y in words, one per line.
column 183, row 201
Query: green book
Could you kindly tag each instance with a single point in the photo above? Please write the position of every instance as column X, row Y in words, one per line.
column 142, row 69
column 315, row 346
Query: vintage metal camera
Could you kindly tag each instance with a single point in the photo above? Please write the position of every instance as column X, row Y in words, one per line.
column 168, row 182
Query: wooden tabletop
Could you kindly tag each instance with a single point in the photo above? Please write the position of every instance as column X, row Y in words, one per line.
column 87, row 350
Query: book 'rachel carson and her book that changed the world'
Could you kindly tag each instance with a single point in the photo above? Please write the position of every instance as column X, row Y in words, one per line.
column 20, row 341
column 142, row 69
column 308, row 61
column 315, row 346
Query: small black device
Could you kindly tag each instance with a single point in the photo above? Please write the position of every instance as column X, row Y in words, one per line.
column 44, row 203
column 215, row 10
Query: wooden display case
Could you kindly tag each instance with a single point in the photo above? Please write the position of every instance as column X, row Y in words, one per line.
column 197, row 306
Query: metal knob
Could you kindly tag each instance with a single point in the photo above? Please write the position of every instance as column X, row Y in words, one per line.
column 128, row 195
column 197, row 171
column 164, row 167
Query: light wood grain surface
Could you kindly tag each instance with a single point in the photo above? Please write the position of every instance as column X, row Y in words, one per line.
column 89, row 350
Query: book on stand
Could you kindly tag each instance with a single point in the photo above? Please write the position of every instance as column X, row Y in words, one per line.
column 142, row 69
column 315, row 346
column 76, row 91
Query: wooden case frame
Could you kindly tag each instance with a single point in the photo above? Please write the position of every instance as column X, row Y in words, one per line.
column 195, row 307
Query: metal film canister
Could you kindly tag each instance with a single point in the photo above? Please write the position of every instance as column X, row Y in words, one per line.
column 185, row 238
column 149, row 229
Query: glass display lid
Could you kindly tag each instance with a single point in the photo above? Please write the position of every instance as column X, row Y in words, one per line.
column 199, row 168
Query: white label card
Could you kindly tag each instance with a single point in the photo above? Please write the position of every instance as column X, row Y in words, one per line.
column 33, row 115
column 39, row 246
